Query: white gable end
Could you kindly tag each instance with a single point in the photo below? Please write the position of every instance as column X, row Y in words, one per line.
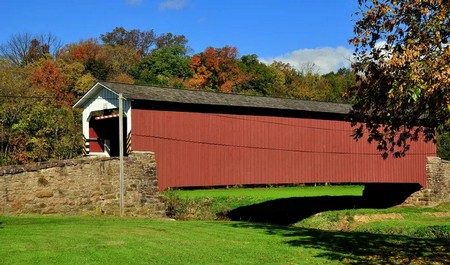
column 100, row 98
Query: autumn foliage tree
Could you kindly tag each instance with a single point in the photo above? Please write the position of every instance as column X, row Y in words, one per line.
column 402, row 59
column 90, row 54
column 89, row 61
column 216, row 69
column 302, row 84
column 14, row 81
column 46, row 75
column 34, row 125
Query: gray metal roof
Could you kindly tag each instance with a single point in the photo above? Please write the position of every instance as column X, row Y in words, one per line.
column 135, row 92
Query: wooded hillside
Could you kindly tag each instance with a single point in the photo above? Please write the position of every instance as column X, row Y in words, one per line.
column 41, row 78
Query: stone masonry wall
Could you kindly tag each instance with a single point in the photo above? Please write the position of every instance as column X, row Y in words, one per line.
column 438, row 184
column 88, row 186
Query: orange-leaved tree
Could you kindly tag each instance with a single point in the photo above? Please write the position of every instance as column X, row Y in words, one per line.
column 216, row 69
column 47, row 75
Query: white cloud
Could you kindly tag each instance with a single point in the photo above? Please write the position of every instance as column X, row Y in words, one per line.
column 325, row 59
column 173, row 4
column 134, row 2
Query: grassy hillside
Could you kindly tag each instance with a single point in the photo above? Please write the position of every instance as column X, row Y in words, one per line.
column 416, row 222
column 210, row 204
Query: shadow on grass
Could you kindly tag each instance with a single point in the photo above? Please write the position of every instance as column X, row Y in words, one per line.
column 361, row 248
column 291, row 210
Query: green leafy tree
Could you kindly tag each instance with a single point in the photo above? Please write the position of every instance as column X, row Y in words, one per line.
column 167, row 66
column 339, row 83
column 46, row 131
column 142, row 42
column 443, row 145
column 280, row 89
column 260, row 79
column 401, row 60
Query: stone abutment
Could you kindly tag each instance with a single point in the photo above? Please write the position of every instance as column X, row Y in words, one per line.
column 88, row 186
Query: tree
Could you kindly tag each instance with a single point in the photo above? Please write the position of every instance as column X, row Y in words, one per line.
column 312, row 86
column 119, row 59
column 46, row 131
column 25, row 48
column 168, row 39
column 167, row 66
column 339, row 82
column 304, row 84
column 259, row 79
column 48, row 76
column 78, row 81
column 443, row 145
column 141, row 41
column 14, row 80
column 36, row 52
column 403, row 77
column 216, row 69
column 83, row 51
column 91, row 55
column 34, row 125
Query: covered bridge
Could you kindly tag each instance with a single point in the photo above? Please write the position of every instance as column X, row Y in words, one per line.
column 212, row 139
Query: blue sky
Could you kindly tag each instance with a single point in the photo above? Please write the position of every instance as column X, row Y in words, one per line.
column 294, row 31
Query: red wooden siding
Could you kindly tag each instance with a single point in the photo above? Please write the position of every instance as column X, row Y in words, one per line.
column 94, row 146
column 205, row 149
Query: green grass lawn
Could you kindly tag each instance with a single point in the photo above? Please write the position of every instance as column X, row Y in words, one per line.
column 270, row 193
column 431, row 222
column 362, row 236
column 102, row 240
column 208, row 203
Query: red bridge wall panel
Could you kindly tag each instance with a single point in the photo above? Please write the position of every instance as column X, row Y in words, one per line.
column 94, row 146
column 208, row 149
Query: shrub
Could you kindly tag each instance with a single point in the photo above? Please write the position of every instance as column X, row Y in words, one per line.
column 186, row 208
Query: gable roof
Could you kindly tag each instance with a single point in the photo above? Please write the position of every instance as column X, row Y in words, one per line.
column 172, row 95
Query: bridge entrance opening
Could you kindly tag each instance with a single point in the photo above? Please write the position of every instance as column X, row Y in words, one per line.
column 104, row 134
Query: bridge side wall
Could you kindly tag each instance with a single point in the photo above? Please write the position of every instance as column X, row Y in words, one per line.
column 204, row 149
